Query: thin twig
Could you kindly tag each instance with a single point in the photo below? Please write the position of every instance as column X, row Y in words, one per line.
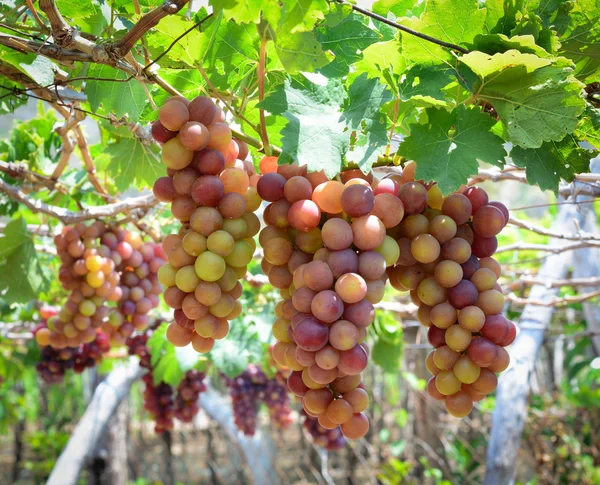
column 523, row 246
column 529, row 280
column 36, row 16
column 558, row 301
column 583, row 236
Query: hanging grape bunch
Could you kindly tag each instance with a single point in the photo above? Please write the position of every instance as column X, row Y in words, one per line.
column 446, row 247
column 212, row 192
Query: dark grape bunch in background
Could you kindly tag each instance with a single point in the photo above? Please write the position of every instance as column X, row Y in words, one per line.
column 212, row 191
column 249, row 390
column 163, row 401
column 55, row 362
column 330, row 439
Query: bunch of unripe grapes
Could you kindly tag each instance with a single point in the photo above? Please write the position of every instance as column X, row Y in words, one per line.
column 330, row 439
column 249, row 390
column 445, row 262
column 212, row 191
column 326, row 248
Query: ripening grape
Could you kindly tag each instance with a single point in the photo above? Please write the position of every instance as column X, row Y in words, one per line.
column 447, row 383
column 465, row 370
column 459, row 404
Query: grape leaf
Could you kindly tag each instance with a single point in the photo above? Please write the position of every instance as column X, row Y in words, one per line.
column 387, row 355
column 133, row 164
column 300, row 52
column 363, row 115
column 38, row 68
column 242, row 11
column 399, row 8
column 589, row 128
column 537, row 100
column 114, row 93
column 302, row 15
column 314, row 134
column 581, row 39
column 455, row 21
column 495, row 43
column 546, row 165
column 346, row 40
column 426, row 82
column 448, row 146
column 21, row 275
column 382, row 60
column 76, row 9
column 185, row 52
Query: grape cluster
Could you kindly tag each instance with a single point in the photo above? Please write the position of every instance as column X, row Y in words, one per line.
column 445, row 262
column 160, row 403
column 137, row 345
column 212, row 191
column 55, row 362
column 249, row 390
column 103, row 266
column 188, row 391
column 330, row 439
column 327, row 250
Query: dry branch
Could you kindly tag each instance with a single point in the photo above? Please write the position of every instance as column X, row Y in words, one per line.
column 579, row 236
column 72, row 217
column 523, row 246
column 529, row 280
column 556, row 302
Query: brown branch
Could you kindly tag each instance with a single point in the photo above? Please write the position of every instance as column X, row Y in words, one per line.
column 121, row 47
column 557, row 301
column 522, row 246
column 88, row 162
column 38, row 180
column 529, row 280
column 582, row 236
column 71, row 217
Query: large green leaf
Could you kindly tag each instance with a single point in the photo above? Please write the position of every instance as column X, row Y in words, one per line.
column 537, row 100
column 21, row 276
column 382, row 60
column 363, row 115
column 302, row 15
column 448, row 147
column 77, row 9
column 346, row 40
column 426, row 82
column 300, row 52
column 589, row 127
column 185, row 51
column 242, row 11
column 398, row 8
column 494, row 43
column 553, row 161
column 455, row 21
column 109, row 87
column 314, row 135
column 133, row 163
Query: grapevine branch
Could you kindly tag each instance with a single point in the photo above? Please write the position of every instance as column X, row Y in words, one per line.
column 582, row 236
column 20, row 171
column 556, row 301
column 410, row 31
column 528, row 280
column 72, row 217
column 521, row 246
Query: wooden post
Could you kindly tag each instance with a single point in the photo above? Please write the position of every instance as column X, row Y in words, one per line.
column 93, row 424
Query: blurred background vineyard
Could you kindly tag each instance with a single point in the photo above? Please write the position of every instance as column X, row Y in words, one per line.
column 412, row 439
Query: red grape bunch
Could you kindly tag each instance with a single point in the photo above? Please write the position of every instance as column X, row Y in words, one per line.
column 326, row 247
column 212, row 192
column 188, row 391
column 249, row 390
column 159, row 402
column 446, row 244
column 89, row 271
column 55, row 362
column 328, row 438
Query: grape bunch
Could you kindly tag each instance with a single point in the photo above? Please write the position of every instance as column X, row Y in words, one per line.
column 137, row 345
column 249, row 390
column 327, row 249
column 212, row 191
column 330, row 439
column 160, row 403
column 55, row 362
column 446, row 263
column 139, row 289
column 188, row 391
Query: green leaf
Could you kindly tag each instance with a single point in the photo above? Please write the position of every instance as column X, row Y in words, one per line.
column 387, row 355
column 447, row 148
column 580, row 39
column 537, row 100
column 167, row 369
column 300, row 52
column 314, row 135
column 242, row 11
column 455, row 21
column 76, row 9
column 495, row 43
column 589, row 128
column 399, row 8
column 553, row 161
column 426, row 82
column 229, row 358
column 363, row 114
column 21, row 276
column 346, row 40
column 158, row 343
column 114, row 93
column 186, row 50
column 134, row 163
column 302, row 15
column 382, row 60
column 38, row 68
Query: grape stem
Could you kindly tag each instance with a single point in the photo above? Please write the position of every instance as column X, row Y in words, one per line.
column 261, row 72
